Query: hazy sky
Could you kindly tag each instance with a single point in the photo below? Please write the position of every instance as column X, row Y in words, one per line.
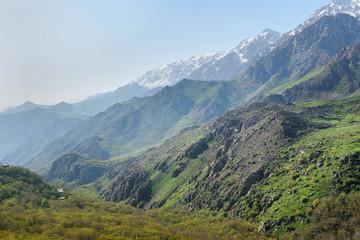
column 55, row 50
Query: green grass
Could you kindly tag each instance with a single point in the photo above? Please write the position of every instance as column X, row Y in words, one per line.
column 296, row 174
column 280, row 89
column 164, row 186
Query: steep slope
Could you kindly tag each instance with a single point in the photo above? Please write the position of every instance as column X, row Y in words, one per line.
column 309, row 49
column 350, row 7
column 216, row 66
column 72, row 169
column 144, row 122
column 269, row 163
column 25, row 134
column 337, row 79
column 203, row 160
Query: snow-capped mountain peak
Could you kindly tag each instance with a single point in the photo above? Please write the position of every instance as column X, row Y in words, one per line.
column 214, row 66
column 351, row 7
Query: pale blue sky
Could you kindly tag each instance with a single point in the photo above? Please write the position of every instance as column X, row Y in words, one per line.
column 55, row 50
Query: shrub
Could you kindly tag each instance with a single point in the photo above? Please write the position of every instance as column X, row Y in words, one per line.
column 304, row 199
column 316, row 203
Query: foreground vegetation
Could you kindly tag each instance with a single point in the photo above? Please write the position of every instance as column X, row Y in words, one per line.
column 336, row 217
column 30, row 209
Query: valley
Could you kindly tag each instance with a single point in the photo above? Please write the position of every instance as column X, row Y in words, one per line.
column 261, row 141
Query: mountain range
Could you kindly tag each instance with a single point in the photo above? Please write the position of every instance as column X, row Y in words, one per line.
column 24, row 134
column 273, row 67
column 267, row 132
column 144, row 122
column 215, row 66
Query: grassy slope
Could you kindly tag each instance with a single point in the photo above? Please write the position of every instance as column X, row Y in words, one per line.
column 310, row 170
column 280, row 89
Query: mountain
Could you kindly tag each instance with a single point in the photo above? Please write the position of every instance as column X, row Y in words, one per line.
column 227, row 64
column 270, row 163
column 27, row 106
column 337, row 79
column 309, row 49
column 350, row 7
column 143, row 122
column 216, row 66
column 25, row 134
column 101, row 102
column 62, row 107
column 71, row 168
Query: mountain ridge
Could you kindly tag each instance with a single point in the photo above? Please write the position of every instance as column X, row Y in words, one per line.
column 207, row 67
column 144, row 122
column 309, row 49
column 230, row 165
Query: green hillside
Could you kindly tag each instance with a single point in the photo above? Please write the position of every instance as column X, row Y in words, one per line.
column 271, row 164
column 136, row 125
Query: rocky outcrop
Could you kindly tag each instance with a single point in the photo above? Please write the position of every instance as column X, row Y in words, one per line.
column 216, row 169
column 133, row 187
column 338, row 78
column 71, row 169
column 196, row 149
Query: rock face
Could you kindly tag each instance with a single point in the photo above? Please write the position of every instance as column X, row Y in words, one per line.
column 221, row 161
column 339, row 78
column 309, row 49
column 70, row 169
column 133, row 188
column 196, row 149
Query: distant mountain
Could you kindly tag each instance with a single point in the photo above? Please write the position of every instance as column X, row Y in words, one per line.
column 227, row 64
column 93, row 104
column 350, row 7
column 309, row 49
column 25, row 134
column 143, row 122
column 216, row 66
column 62, row 107
column 101, row 102
column 27, row 106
